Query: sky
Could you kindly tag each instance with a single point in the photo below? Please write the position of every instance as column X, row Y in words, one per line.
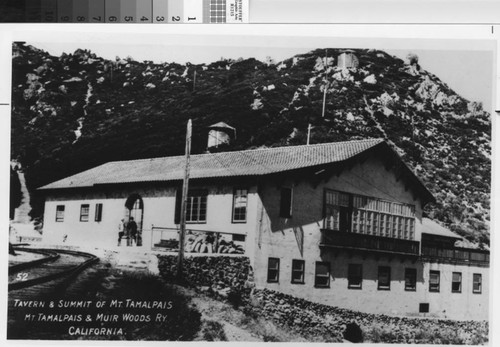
column 467, row 69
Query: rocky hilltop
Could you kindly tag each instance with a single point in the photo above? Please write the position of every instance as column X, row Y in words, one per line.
column 76, row 111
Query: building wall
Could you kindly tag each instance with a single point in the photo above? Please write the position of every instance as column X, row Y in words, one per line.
column 278, row 237
column 159, row 210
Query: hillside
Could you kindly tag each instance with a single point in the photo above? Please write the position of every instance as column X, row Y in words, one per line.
column 76, row 111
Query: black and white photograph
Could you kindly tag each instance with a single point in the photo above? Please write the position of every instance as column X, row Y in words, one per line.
column 251, row 186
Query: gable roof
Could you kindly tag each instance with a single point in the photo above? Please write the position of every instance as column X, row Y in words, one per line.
column 433, row 228
column 256, row 162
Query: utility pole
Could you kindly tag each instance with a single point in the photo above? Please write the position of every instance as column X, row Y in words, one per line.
column 185, row 184
column 194, row 79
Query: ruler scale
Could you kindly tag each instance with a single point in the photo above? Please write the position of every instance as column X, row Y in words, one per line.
column 97, row 11
column 130, row 11
column 144, row 10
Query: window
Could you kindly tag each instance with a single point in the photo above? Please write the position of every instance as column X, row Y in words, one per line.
column 410, row 279
column 238, row 237
column 384, row 278
column 298, row 271
column 456, row 282
column 367, row 215
column 476, row 283
column 434, row 281
column 286, row 202
column 240, row 199
column 423, row 308
column 322, row 275
column 98, row 212
column 354, row 276
column 196, row 207
column 60, row 213
column 273, row 270
column 84, row 213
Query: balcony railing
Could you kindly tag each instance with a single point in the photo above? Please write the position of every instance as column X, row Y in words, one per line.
column 363, row 242
column 456, row 255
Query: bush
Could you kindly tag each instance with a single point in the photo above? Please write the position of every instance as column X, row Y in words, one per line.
column 213, row 331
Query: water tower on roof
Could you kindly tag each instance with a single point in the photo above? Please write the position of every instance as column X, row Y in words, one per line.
column 347, row 59
column 220, row 135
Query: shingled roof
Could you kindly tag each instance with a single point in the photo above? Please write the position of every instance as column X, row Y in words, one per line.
column 256, row 162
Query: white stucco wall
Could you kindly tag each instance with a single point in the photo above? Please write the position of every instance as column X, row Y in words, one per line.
column 159, row 210
column 276, row 237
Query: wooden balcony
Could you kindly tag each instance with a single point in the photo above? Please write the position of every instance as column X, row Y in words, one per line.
column 463, row 256
column 368, row 243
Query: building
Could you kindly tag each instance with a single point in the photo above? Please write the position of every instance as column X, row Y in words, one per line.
column 347, row 59
column 336, row 223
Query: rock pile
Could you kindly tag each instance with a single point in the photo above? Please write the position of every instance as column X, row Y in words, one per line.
column 219, row 275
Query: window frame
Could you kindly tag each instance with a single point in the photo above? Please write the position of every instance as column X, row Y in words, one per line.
column 367, row 215
column 200, row 196
column 433, row 288
column 300, row 270
column 98, row 212
column 388, row 285
column 84, row 217
column 453, row 282
column 235, row 196
column 273, row 270
column 410, row 273
column 60, row 219
column 286, row 210
column 480, row 283
column 321, row 275
column 355, row 276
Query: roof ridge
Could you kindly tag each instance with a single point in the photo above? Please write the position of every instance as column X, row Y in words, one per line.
column 249, row 150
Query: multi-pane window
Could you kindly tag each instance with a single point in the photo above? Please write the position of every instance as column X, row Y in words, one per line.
column 98, row 212
column 286, row 202
column 60, row 213
column 384, row 278
column 354, row 276
column 196, row 207
column 366, row 215
column 322, row 275
column 298, row 271
column 434, row 281
column 84, row 213
column 240, row 199
column 477, row 283
column 456, row 282
column 273, row 270
column 410, row 279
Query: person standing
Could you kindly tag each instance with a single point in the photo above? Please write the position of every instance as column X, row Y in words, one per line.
column 121, row 230
column 132, row 231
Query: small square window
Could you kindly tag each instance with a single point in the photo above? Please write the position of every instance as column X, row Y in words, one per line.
column 298, row 271
column 410, row 279
column 477, row 283
column 84, row 213
column 60, row 213
column 322, row 275
column 456, row 282
column 423, row 308
column 273, row 270
column 434, row 281
column 355, row 276
column 384, row 278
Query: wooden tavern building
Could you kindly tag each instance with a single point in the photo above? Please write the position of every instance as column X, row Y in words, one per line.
column 335, row 223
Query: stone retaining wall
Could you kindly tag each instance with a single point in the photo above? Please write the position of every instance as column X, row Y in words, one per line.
column 218, row 274
column 308, row 318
